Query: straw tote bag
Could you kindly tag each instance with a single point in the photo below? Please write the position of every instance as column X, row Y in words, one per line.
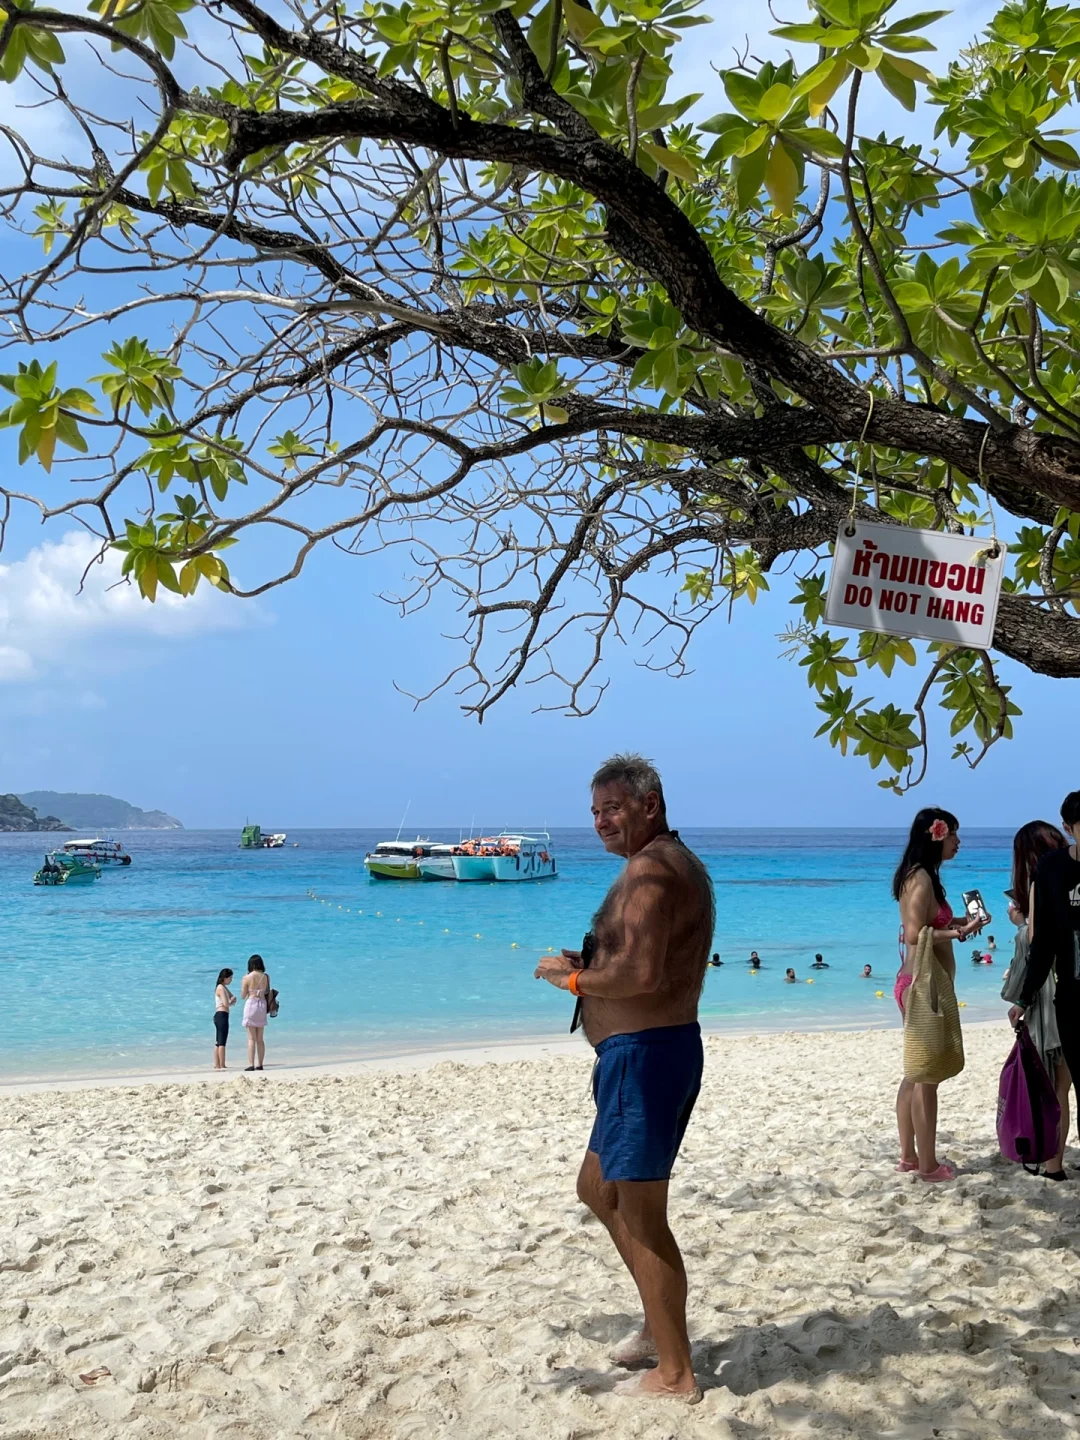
column 933, row 1044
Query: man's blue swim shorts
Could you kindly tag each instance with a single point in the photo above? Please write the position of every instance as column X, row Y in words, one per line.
column 645, row 1085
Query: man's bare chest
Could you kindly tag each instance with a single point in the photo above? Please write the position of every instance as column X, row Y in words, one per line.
column 608, row 922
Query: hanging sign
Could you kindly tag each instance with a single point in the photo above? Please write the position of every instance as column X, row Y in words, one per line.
column 921, row 583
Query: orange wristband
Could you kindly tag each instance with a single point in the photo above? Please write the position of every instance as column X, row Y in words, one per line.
column 572, row 982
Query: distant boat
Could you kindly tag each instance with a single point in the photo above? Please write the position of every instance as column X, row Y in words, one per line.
column 493, row 857
column 401, row 859
column 62, row 869
column 99, row 851
column 252, row 838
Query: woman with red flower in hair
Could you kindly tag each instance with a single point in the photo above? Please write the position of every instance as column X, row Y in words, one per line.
column 918, row 889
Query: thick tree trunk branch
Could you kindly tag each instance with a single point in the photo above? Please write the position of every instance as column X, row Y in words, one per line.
column 648, row 229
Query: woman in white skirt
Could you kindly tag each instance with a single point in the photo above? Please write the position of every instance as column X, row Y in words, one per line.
column 254, row 991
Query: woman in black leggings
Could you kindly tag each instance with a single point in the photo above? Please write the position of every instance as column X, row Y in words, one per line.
column 224, row 1000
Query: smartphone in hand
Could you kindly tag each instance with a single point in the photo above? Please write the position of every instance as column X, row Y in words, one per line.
column 976, row 910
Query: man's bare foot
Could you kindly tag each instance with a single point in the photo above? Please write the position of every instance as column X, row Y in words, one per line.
column 634, row 1350
column 649, row 1386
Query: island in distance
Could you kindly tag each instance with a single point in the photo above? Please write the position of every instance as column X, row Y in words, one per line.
column 82, row 812
column 14, row 815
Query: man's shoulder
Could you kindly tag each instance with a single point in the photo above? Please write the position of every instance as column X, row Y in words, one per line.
column 1053, row 863
column 666, row 856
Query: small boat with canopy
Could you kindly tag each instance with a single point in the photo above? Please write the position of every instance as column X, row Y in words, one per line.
column 64, row 869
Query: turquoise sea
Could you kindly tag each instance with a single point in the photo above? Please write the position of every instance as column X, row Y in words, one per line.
column 118, row 976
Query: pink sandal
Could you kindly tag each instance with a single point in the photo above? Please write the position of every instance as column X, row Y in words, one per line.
column 906, row 1166
column 943, row 1172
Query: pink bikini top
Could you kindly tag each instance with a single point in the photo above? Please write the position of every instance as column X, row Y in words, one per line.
column 941, row 920
column 944, row 916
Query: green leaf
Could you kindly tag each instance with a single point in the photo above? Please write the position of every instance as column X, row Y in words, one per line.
column 782, row 179
column 580, row 22
column 1027, row 272
column 898, row 84
column 749, row 174
column 775, row 102
column 916, row 22
column 744, row 93
column 679, row 165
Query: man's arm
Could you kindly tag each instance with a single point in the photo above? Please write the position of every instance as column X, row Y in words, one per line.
column 637, row 966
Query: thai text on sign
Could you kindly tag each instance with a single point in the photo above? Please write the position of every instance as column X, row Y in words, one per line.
column 919, row 583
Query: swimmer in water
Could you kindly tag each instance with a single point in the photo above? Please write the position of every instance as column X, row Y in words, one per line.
column 866, row 972
column 819, row 964
column 755, row 963
column 716, row 958
column 789, row 978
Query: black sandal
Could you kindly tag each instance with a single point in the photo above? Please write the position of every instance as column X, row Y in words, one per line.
column 1054, row 1175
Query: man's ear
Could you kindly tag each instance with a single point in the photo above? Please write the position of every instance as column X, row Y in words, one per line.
column 652, row 804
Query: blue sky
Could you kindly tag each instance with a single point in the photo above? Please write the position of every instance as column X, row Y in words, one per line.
column 284, row 711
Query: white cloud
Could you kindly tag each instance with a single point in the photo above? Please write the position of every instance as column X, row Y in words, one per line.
column 15, row 664
column 50, row 618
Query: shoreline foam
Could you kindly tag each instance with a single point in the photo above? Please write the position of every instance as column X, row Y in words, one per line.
column 401, row 1058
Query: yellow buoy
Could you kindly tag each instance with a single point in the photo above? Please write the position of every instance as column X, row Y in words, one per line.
column 809, row 982
column 446, row 932
column 478, row 936
column 879, row 993
column 513, row 945
column 962, row 1004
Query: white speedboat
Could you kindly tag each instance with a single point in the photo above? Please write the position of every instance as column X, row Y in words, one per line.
column 439, row 865
column 505, row 857
column 399, row 859
column 98, row 851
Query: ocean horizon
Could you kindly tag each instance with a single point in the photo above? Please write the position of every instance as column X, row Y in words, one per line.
column 117, row 977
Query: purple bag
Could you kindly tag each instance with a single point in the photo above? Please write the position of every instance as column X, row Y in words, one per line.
column 1028, row 1112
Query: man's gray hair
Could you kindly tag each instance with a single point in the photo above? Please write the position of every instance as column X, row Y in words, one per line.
column 635, row 772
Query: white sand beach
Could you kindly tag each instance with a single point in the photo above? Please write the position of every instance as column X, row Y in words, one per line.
column 401, row 1255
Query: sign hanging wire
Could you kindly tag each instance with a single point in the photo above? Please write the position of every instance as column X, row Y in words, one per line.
column 850, row 527
column 993, row 550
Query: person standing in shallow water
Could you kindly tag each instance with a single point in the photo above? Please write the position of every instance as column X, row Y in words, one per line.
column 917, row 886
column 639, row 1002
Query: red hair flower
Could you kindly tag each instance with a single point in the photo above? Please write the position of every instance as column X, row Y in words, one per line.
column 938, row 831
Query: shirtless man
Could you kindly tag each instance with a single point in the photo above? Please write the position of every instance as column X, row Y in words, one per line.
column 640, row 999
